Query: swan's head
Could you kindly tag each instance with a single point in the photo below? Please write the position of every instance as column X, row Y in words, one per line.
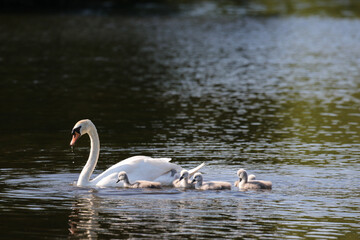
column 242, row 174
column 122, row 176
column 197, row 178
column 81, row 127
column 184, row 174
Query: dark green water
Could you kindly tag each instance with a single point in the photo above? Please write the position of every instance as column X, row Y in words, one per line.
column 278, row 96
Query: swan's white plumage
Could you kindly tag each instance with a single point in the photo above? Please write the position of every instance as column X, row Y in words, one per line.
column 137, row 167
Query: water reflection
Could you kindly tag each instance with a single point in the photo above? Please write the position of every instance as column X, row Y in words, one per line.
column 82, row 220
column 187, row 216
column 276, row 96
column 299, row 205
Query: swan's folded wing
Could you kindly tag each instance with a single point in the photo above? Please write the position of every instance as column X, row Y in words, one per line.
column 194, row 170
column 108, row 180
column 151, row 169
column 137, row 168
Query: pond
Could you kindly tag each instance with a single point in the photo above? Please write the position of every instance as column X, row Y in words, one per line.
column 276, row 95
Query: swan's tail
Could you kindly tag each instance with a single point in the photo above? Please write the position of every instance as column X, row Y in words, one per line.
column 165, row 159
column 194, row 170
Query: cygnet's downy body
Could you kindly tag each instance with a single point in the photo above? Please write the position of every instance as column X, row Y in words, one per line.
column 212, row 185
column 138, row 184
column 250, row 178
column 183, row 181
column 244, row 184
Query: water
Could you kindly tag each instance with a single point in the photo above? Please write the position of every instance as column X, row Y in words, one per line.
column 278, row 96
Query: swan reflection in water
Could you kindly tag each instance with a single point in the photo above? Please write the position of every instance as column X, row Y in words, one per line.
column 140, row 213
column 83, row 220
column 121, row 212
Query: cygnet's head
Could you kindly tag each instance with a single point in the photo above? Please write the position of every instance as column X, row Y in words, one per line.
column 242, row 174
column 251, row 177
column 122, row 176
column 184, row 174
column 197, row 178
column 81, row 127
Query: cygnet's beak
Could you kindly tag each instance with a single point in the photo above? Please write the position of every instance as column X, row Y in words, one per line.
column 75, row 137
column 118, row 180
column 194, row 180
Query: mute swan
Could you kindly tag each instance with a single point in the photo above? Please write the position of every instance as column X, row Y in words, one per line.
column 250, row 178
column 213, row 185
column 244, row 184
column 137, row 167
column 138, row 184
column 183, row 181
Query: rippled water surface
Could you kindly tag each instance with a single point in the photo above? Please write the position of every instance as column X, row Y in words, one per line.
column 278, row 96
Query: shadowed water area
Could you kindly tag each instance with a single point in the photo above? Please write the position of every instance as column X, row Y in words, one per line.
column 230, row 85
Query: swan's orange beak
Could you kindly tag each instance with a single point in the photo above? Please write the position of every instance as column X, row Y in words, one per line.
column 75, row 137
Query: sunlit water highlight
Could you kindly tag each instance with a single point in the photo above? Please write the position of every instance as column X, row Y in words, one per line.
column 277, row 96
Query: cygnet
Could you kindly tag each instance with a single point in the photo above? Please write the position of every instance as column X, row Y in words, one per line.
column 138, row 184
column 250, row 178
column 212, row 185
column 244, row 184
column 183, row 181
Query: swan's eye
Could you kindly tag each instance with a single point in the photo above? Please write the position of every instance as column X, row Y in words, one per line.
column 76, row 130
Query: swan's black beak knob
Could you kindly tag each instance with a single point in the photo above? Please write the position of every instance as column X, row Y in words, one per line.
column 75, row 135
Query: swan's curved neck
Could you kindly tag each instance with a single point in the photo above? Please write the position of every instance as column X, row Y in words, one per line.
column 84, row 178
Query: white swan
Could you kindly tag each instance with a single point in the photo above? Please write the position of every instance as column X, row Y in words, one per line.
column 137, row 167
